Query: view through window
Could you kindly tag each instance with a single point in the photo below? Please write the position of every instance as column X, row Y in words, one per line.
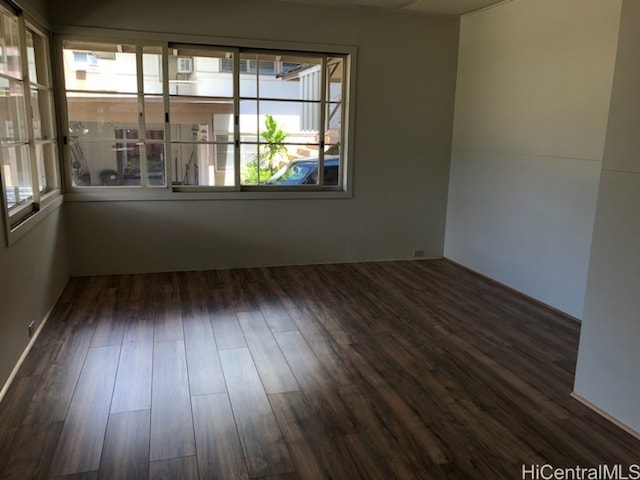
column 190, row 117
column 28, row 144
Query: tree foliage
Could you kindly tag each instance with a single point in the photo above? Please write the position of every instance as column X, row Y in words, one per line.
column 264, row 166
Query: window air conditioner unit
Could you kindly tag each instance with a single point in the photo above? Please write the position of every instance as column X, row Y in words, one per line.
column 185, row 65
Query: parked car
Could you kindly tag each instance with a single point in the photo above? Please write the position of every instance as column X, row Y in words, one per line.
column 304, row 171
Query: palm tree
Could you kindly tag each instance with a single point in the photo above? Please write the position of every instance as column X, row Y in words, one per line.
column 263, row 167
column 274, row 137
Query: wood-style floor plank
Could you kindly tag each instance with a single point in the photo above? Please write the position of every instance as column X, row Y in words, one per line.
column 171, row 420
column 227, row 331
column 133, row 381
column 265, row 450
column 166, row 310
column 273, row 368
column 82, row 437
column 304, row 436
column 407, row 370
column 135, row 307
column 314, row 381
column 205, row 371
column 109, row 325
column 51, row 400
column 183, row 468
column 32, row 451
column 126, row 447
column 218, row 447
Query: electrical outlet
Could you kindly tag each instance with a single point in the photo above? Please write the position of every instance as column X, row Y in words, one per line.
column 418, row 253
column 32, row 328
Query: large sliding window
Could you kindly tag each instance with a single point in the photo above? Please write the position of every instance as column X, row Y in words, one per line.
column 115, row 112
column 28, row 144
column 203, row 118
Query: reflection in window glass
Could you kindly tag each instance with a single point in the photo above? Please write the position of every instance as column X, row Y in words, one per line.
column 198, row 72
column 152, row 69
column 100, row 67
column 116, row 128
column 201, row 86
column 9, row 46
column 13, row 127
column 16, row 174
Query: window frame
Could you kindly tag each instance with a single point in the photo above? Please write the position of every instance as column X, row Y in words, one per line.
column 199, row 192
column 20, row 219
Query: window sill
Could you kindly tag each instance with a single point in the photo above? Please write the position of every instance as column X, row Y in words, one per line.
column 21, row 229
column 167, row 195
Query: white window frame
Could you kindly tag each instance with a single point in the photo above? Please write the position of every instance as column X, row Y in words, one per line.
column 184, row 192
column 21, row 219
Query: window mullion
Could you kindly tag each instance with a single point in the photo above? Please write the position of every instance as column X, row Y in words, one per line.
column 236, row 118
column 167, row 126
column 344, row 102
column 323, row 116
column 142, row 135
column 26, row 89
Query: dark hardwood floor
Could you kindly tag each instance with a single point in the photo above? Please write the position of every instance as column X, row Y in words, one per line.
column 407, row 370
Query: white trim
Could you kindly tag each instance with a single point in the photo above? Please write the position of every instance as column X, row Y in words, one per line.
column 16, row 368
column 125, row 36
column 234, row 45
column 17, row 232
column 605, row 415
column 147, row 195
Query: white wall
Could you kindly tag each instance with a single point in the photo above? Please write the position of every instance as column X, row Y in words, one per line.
column 404, row 109
column 607, row 372
column 33, row 272
column 533, row 90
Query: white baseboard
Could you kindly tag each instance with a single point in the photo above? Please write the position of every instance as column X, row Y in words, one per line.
column 604, row 414
column 22, row 358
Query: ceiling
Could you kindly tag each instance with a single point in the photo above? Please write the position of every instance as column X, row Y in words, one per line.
column 442, row 7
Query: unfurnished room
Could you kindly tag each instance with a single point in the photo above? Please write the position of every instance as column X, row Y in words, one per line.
column 319, row 239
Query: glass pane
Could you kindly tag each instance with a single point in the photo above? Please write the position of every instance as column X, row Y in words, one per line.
column 252, row 171
column 13, row 126
column 290, row 122
column 335, row 74
column 38, row 58
column 249, row 120
column 154, row 153
column 154, row 113
column 196, row 120
column 31, row 58
column 104, row 163
column 283, row 76
column 47, row 162
column 203, row 73
column 42, row 116
column 333, row 117
column 97, row 117
column 9, row 46
column 296, row 78
column 100, row 67
column 224, row 160
column 204, row 164
column 16, row 172
column 130, row 153
column 299, row 122
column 304, row 171
column 152, row 69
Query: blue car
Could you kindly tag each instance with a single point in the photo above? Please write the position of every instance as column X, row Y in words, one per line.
column 304, row 171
